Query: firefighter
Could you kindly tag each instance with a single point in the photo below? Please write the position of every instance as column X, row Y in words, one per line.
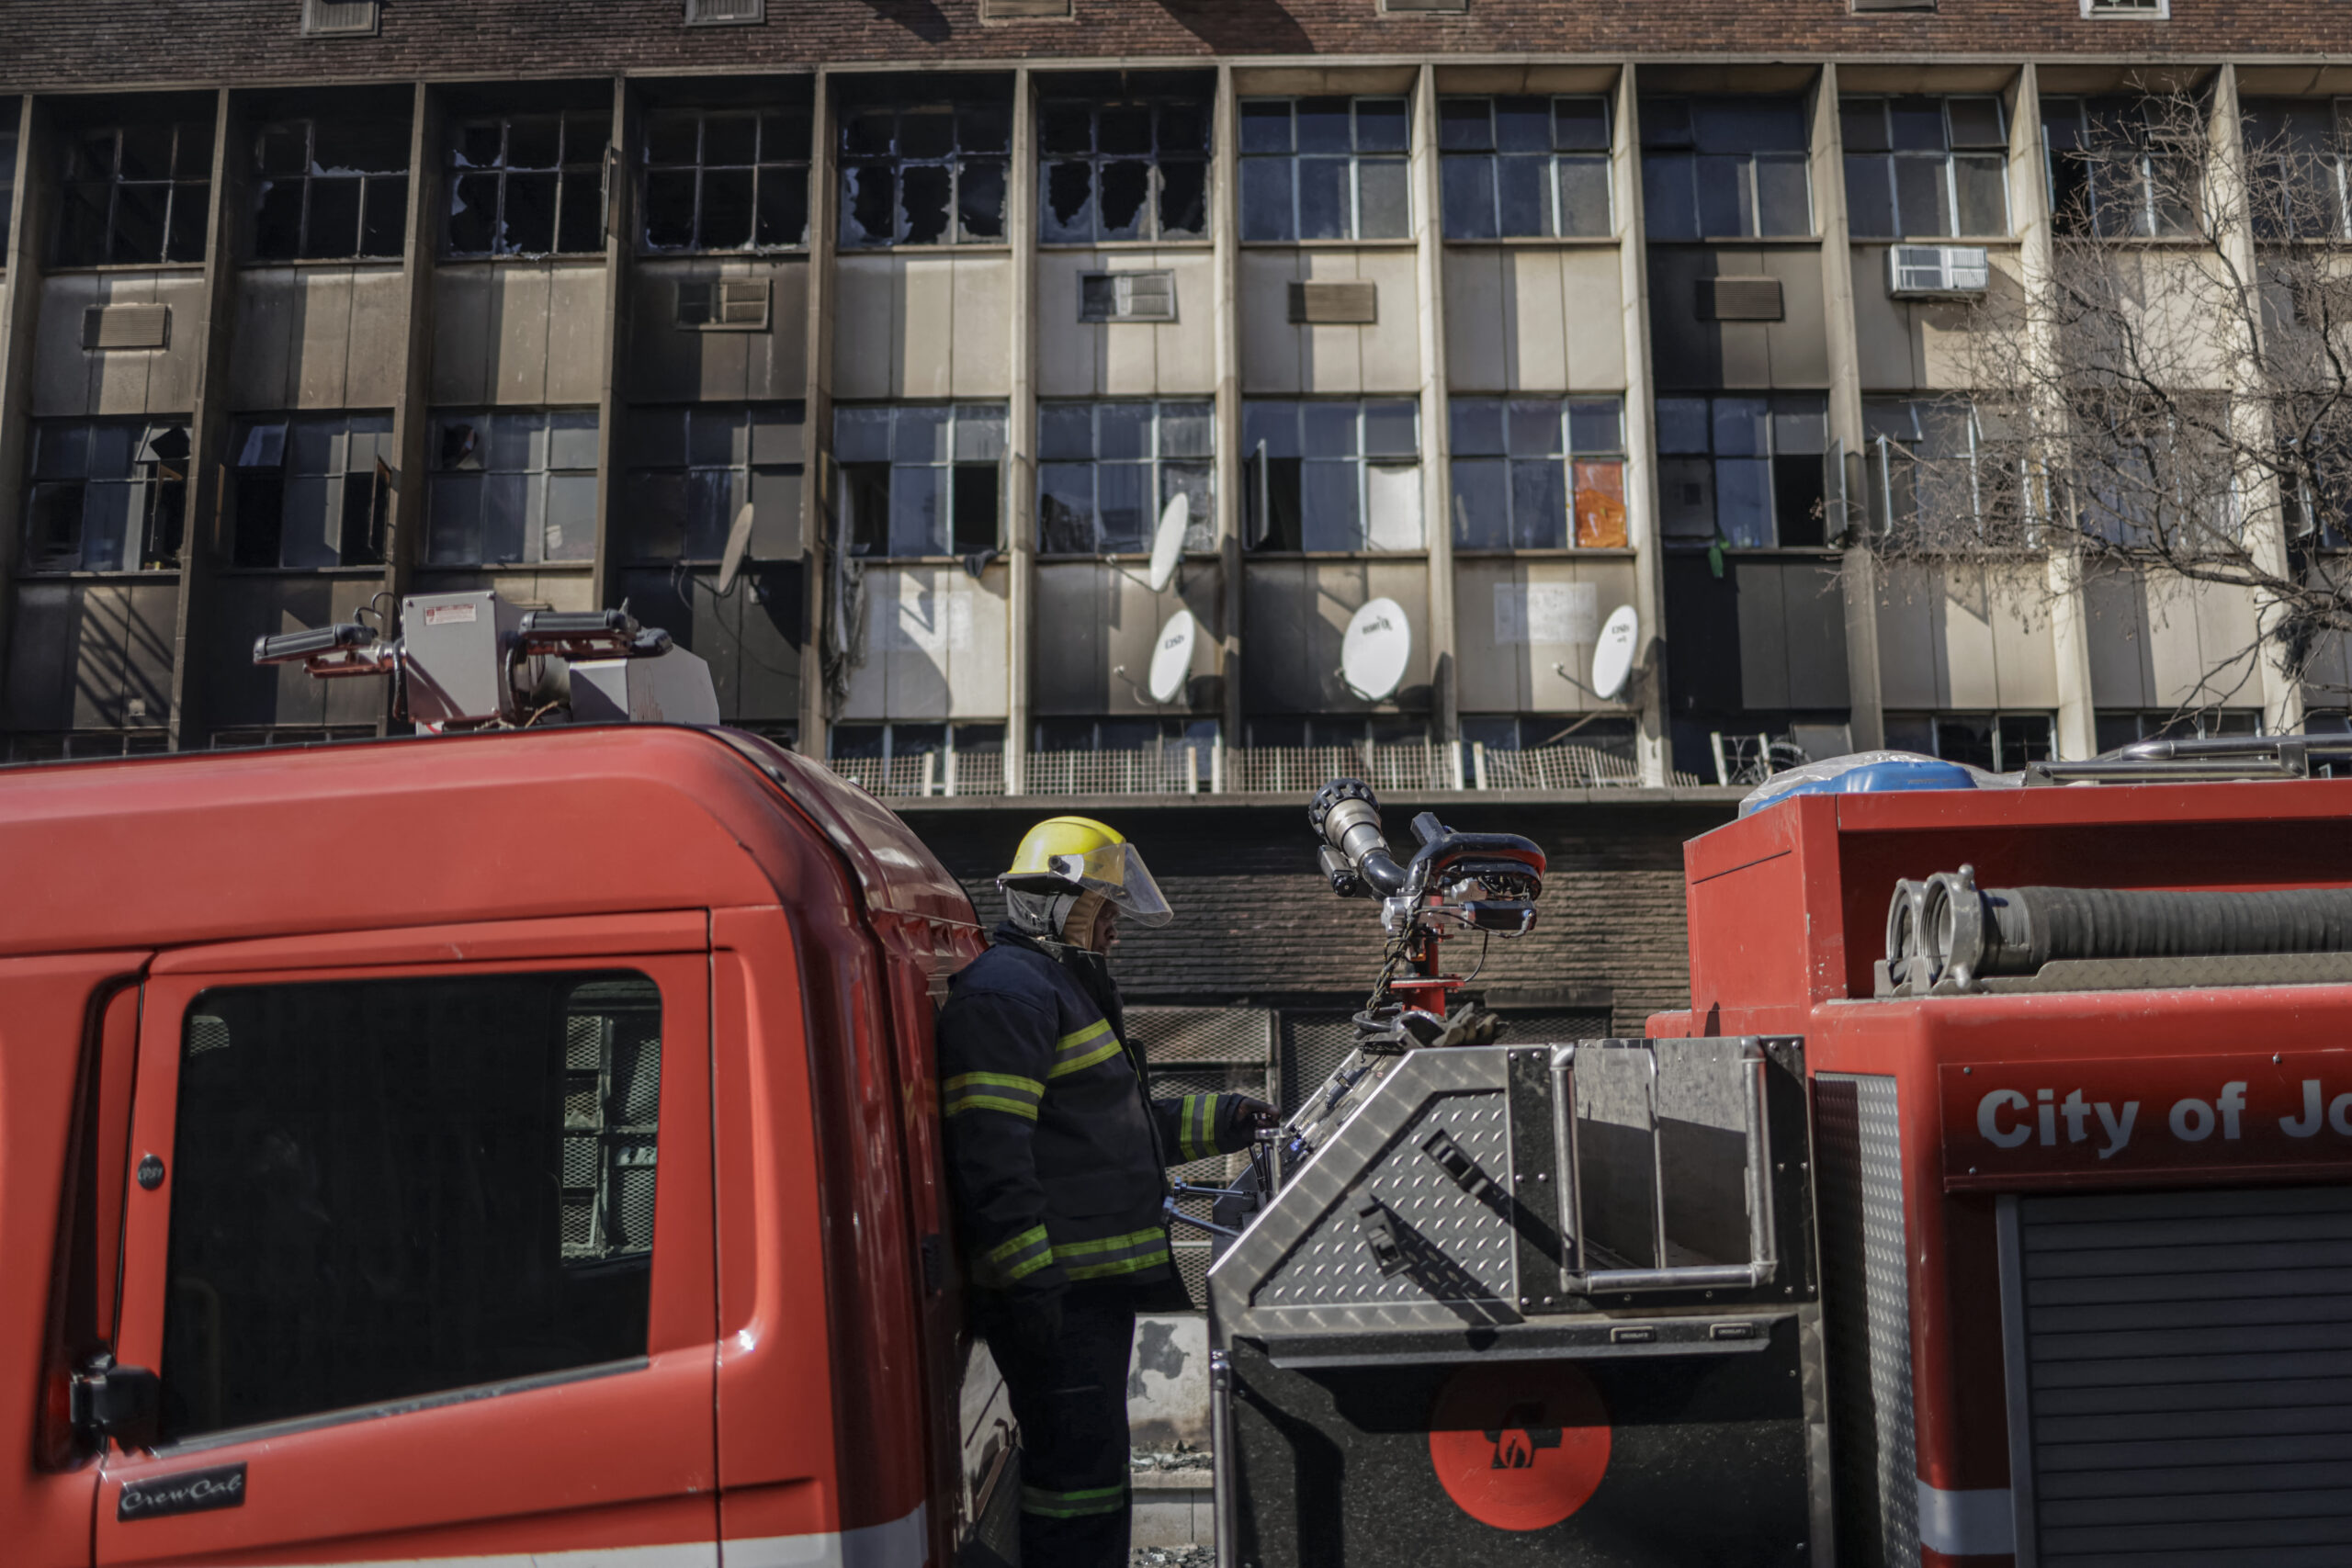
column 1055, row 1161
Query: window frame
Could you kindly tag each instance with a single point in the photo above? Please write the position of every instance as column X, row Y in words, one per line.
column 1769, row 457
column 1995, row 720
column 857, row 474
column 1358, row 156
column 1568, row 458
column 634, row 472
column 247, row 432
column 2139, row 156
column 1200, row 531
column 151, row 480
column 1892, row 157
column 1555, row 160
column 188, row 196
column 442, row 469
column 764, row 164
column 1257, row 508
column 311, row 175
column 1660, row 143
column 957, row 160
column 638, row 1431
column 1152, row 231
column 566, row 171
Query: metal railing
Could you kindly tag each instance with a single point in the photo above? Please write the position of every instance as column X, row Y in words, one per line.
column 1195, row 768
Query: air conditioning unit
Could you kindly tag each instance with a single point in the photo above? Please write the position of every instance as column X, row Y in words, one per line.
column 1937, row 272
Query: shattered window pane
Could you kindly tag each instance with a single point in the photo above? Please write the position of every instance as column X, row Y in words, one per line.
column 1122, row 171
column 136, row 194
column 923, row 174
column 727, row 180
column 528, row 184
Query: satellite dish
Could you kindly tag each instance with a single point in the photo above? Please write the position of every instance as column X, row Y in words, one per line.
column 739, row 541
column 1378, row 646
column 1612, row 655
column 1171, row 658
column 1167, row 540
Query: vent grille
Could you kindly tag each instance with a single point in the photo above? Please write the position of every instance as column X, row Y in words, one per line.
column 2145, row 10
column 126, row 326
column 1930, row 270
column 1334, row 304
column 340, row 19
column 724, row 304
column 1740, row 299
column 2183, row 1359
column 1126, row 297
column 1023, row 10
column 1391, row 7
column 725, row 13
column 1867, row 1306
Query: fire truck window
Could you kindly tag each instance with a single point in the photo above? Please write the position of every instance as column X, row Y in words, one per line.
column 387, row 1189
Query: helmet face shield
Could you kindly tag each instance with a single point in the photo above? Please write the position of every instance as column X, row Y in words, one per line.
column 1118, row 874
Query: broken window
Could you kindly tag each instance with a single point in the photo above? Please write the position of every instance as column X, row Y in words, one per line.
column 528, row 184
column 727, row 180
column 1325, row 169
column 135, row 194
column 512, row 485
column 1524, row 167
column 1122, row 171
column 1925, row 168
column 1333, row 475
column 1538, row 473
column 919, row 478
column 107, row 495
column 1743, row 472
column 693, row 472
column 927, row 175
column 1725, row 167
column 312, row 490
column 1105, row 471
column 328, row 190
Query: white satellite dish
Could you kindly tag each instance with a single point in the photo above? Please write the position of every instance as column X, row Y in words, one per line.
column 1167, row 540
column 1378, row 646
column 1612, row 655
column 1171, row 657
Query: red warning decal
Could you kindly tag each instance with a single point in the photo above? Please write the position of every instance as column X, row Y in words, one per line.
column 1520, row 1447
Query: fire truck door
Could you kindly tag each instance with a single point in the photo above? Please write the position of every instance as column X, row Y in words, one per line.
column 421, row 1251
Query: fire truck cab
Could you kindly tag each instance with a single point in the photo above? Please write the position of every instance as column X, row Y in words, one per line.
column 480, row 1149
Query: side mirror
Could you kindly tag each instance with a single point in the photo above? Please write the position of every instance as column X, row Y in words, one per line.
column 121, row 1402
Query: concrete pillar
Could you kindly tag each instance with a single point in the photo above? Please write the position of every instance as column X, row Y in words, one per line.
column 204, row 539
column 1020, row 436
column 1857, row 568
column 412, row 417
column 1653, row 747
column 1224, row 298
column 27, row 241
column 1436, row 433
column 820, row 505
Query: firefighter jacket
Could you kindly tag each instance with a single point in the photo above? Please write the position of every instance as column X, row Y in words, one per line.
column 1056, row 1153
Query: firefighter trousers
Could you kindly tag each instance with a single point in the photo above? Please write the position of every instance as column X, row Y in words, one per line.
column 1072, row 1405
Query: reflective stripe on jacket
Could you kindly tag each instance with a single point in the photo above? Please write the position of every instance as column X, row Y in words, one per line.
column 1055, row 1151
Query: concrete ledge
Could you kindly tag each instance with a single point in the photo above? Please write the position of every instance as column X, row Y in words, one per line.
column 1173, row 1507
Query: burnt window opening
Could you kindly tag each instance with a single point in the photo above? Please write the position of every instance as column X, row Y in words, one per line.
column 312, row 491
column 927, row 175
column 1730, row 166
column 920, row 478
column 1105, row 471
column 331, row 190
column 727, row 180
column 512, row 485
column 1333, row 475
column 528, row 184
column 135, row 194
column 1325, row 168
column 692, row 471
column 107, row 495
column 1122, row 171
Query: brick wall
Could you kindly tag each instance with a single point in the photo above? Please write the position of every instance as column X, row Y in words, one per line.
column 1256, row 920
column 61, row 43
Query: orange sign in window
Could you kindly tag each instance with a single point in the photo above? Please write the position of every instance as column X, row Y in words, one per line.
column 1601, row 505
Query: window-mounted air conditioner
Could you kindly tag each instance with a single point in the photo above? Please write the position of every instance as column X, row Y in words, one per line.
column 1931, row 272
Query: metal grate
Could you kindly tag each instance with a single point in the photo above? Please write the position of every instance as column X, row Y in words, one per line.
column 1313, row 1046
column 612, row 1103
column 340, row 19
column 580, row 1162
column 725, row 13
column 1201, row 1034
column 1549, row 767
column 1867, row 1306
column 2183, row 1358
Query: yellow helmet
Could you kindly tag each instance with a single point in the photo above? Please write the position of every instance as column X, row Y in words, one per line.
column 1073, row 855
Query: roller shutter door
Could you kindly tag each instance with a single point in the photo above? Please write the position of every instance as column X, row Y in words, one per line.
column 2187, row 1370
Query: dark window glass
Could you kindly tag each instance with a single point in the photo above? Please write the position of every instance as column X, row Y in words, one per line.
column 1325, row 168
column 391, row 1188
column 7, row 187
column 107, row 495
column 1537, row 474
column 1122, row 171
column 1744, row 471
column 692, row 471
column 529, row 185
column 929, row 175
column 1909, row 175
column 920, row 480
column 1727, row 167
column 726, row 180
column 329, row 190
column 2119, row 168
column 136, row 194
column 1524, row 167
column 312, row 490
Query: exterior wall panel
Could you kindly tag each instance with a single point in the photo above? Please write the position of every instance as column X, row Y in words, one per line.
column 1499, row 676
column 1298, row 612
column 920, row 327
column 69, row 379
column 932, row 644
column 669, row 364
column 1103, row 622
column 1127, row 359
